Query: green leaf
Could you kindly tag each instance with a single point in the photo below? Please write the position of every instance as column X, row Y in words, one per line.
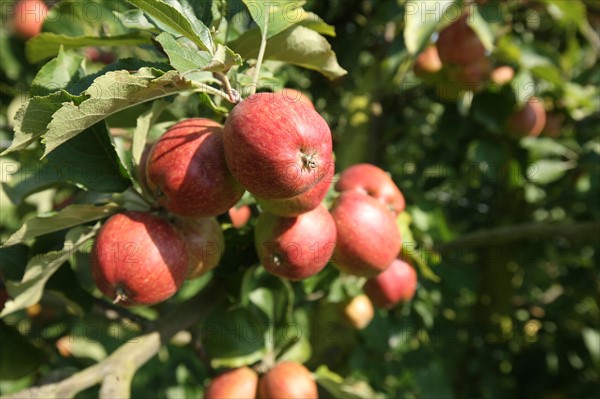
column 223, row 60
column 524, row 86
column 182, row 56
column 314, row 22
column 176, row 18
column 57, row 74
column 334, row 384
column 71, row 216
column 40, row 268
column 33, row 117
column 18, row 356
column 591, row 338
column 281, row 14
column 46, row 45
column 109, row 94
column 142, row 128
column 543, row 147
column 547, row 171
column 422, row 22
column 297, row 45
column 233, row 337
column 482, row 29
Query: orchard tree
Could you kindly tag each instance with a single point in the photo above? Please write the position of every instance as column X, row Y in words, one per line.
column 299, row 199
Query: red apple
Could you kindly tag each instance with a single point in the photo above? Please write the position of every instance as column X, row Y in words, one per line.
column 502, row 75
column 396, row 284
column 95, row 54
column 205, row 243
column 276, row 148
column 29, row 17
column 529, row 120
column 371, row 180
column 294, row 95
column 469, row 76
column 428, row 62
column 367, row 236
column 554, row 124
column 240, row 383
column 141, row 169
column 240, row 216
column 186, row 170
column 295, row 247
column 301, row 203
column 288, row 380
column 138, row 259
column 359, row 312
column 459, row 44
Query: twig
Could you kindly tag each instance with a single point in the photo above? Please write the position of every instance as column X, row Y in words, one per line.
column 116, row 371
column 261, row 53
column 234, row 96
column 204, row 88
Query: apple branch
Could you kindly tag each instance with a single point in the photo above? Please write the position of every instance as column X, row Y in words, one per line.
column 261, row 53
column 117, row 370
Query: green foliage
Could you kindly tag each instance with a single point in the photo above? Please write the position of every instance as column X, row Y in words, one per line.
column 508, row 316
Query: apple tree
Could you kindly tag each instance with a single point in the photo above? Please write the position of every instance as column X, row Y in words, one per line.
column 299, row 198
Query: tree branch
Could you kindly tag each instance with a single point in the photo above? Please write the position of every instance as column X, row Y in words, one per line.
column 506, row 234
column 117, row 370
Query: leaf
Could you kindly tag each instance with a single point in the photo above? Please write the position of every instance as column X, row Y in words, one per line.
column 335, row 385
column 279, row 17
column 223, row 60
column 543, row 147
column 523, row 86
column 546, row 170
column 109, row 94
column 482, row 29
column 57, row 74
column 422, row 22
column 297, row 45
column 591, row 338
column 182, row 57
column 314, row 22
column 40, row 268
column 46, row 45
column 18, row 356
column 142, row 128
column 71, row 216
column 33, row 117
column 177, row 19
column 233, row 337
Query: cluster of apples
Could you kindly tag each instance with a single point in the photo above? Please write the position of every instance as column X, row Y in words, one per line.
column 459, row 57
column 285, row 380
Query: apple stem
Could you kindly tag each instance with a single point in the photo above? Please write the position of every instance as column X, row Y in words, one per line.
column 234, row 96
column 261, row 53
column 120, row 296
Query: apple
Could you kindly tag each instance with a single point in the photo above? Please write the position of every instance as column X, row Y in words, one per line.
column 95, row 54
column 288, row 380
column 396, row 284
column 294, row 95
column 428, row 62
column 205, row 243
column 240, row 383
column 141, row 169
column 138, row 259
column 529, row 120
column 295, row 247
column 469, row 76
column 301, row 203
column 29, row 17
column 186, row 170
column 239, row 216
column 359, row 312
column 554, row 124
column 502, row 75
column 367, row 236
column 459, row 44
column 276, row 148
column 371, row 180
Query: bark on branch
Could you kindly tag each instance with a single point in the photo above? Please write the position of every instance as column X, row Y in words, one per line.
column 117, row 370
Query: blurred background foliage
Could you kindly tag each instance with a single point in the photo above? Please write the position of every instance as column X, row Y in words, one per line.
column 511, row 315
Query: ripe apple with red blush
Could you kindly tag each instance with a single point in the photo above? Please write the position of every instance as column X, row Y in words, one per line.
column 29, row 18
column 187, row 173
column 428, row 62
column 368, row 238
column 276, row 148
column 205, row 243
column 301, row 203
column 459, row 44
column 295, row 247
column 371, row 180
column 529, row 120
column 240, row 383
column 289, row 380
column 396, row 284
column 139, row 259
column 502, row 75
